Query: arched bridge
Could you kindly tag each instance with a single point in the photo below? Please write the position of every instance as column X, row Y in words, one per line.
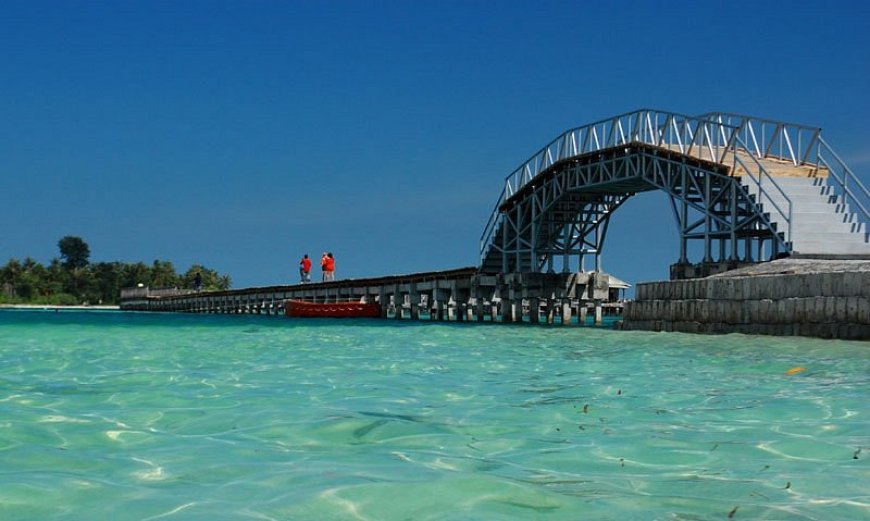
column 742, row 190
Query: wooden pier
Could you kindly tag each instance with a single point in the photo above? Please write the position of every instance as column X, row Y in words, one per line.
column 455, row 295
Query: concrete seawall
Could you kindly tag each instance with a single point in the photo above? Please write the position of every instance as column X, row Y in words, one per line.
column 818, row 298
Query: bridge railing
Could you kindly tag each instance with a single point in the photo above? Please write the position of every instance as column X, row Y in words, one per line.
column 800, row 145
column 700, row 137
column 146, row 292
column 769, row 139
column 705, row 137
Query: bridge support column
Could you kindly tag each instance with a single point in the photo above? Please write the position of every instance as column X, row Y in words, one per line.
column 398, row 302
column 479, row 306
column 598, row 318
column 459, row 303
column 392, row 306
column 534, row 310
column 439, row 298
column 413, row 302
column 551, row 311
column 517, row 310
column 515, row 297
column 507, row 309
column 437, row 310
column 381, row 298
column 566, row 312
column 403, row 305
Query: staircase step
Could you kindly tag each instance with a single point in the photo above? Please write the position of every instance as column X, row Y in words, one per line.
column 801, row 200
column 832, row 240
column 824, row 222
column 847, row 249
column 821, row 222
column 798, row 190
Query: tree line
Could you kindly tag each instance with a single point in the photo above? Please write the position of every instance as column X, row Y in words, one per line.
column 72, row 279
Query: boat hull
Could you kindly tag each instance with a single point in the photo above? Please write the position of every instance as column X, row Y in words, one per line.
column 301, row 308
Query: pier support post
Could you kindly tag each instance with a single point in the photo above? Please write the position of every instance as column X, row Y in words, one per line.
column 581, row 313
column 566, row 312
column 514, row 300
column 507, row 309
column 505, row 306
column 398, row 302
column 413, row 302
column 437, row 310
column 534, row 310
column 439, row 297
column 516, row 310
column 458, row 304
column 381, row 298
column 598, row 319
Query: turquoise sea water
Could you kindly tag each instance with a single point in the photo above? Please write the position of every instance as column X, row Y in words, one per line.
column 147, row 416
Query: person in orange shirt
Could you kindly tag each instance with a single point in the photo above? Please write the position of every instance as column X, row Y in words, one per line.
column 323, row 266
column 329, row 268
column 305, row 269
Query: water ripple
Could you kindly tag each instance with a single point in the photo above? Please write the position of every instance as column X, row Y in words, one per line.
column 163, row 416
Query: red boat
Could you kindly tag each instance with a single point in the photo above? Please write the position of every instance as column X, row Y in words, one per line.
column 354, row 309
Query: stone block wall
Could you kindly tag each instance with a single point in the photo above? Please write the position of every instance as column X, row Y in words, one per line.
column 826, row 305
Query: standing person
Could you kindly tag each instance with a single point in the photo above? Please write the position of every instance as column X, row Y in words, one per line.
column 305, row 269
column 197, row 281
column 330, row 266
column 323, row 266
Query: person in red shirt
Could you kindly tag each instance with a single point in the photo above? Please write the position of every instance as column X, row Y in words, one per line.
column 323, row 266
column 305, row 269
column 329, row 267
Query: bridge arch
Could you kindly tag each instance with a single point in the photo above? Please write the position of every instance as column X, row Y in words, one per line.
column 719, row 170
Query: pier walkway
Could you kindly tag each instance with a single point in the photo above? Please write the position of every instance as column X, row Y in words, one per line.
column 455, row 295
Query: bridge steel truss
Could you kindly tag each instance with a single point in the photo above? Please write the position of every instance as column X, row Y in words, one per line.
column 558, row 203
column 566, row 211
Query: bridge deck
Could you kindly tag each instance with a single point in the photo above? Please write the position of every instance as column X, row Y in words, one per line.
column 774, row 166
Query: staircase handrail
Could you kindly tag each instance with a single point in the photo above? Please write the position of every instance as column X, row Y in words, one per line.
column 801, row 145
column 763, row 196
column 853, row 200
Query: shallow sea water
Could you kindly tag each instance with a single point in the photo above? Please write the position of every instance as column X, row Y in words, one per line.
column 147, row 416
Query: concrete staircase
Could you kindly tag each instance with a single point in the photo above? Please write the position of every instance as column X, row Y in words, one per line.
column 822, row 223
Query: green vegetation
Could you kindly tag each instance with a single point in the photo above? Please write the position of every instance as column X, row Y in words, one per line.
column 72, row 279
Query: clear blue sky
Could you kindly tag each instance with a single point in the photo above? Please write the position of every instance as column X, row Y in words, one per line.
column 241, row 135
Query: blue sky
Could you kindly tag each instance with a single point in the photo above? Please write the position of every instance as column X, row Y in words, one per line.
column 241, row 135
